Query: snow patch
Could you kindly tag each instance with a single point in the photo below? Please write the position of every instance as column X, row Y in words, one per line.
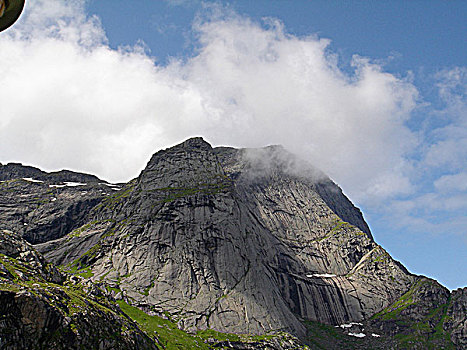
column 375, row 335
column 325, row 275
column 358, row 335
column 73, row 184
column 30, row 179
column 68, row 184
column 109, row 185
column 348, row 325
column 53, row 199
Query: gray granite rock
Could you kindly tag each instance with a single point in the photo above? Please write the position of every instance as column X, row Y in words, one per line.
column 247, row 241
column 244, row 241
column 42, row 308
column 43, row 206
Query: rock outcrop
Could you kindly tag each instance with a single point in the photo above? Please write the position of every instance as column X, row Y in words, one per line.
column 455, row 321
column 43, row 206
column 42, row 308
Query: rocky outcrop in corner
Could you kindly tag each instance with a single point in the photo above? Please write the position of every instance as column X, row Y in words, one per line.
column 41, row 308
column 456, row 318
column 426, row 316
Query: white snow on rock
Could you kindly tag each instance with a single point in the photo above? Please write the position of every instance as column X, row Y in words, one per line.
column 375, row 335
column 73, row 184
column 109, row 185
column 68, row 184
column 53, row 199
column 348, row 325
column 325, row 275
column 358, row 335
column 30, row 179
column 112, row 186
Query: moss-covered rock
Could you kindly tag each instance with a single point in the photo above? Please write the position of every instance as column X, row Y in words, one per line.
column 43, row 308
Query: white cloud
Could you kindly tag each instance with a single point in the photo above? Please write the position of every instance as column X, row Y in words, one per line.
column 449, row 183
column 450, row 146
column 70, row 101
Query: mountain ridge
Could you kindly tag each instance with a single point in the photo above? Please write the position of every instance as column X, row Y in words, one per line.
column 240, row 241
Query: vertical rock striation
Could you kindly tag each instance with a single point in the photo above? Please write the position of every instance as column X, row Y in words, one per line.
column 245, row 241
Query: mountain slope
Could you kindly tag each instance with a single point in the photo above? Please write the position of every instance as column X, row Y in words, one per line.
column 236, row 242
column 42, row 308
column 43, row 206
column 249, row 241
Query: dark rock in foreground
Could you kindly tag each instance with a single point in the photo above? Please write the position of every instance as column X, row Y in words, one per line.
column 42, row 308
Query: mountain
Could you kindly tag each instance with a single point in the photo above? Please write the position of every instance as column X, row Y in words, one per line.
column 254, row 247
column 44, row 206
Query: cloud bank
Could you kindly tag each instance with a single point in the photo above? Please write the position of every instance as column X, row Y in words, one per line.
column 71, row 101
column 440, row 203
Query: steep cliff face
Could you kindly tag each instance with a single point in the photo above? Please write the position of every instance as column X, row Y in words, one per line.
column 236, row 241
column 455, row 321
column 244, row 241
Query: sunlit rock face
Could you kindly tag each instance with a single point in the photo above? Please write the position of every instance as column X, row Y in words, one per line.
column 239, row 240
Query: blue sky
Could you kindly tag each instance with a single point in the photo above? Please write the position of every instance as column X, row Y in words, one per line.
column 372, row 92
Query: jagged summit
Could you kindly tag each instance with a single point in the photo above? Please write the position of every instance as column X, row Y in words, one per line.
column 195, row 143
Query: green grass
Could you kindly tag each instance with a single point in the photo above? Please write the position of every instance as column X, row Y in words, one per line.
column 172, row 338
column 211, row 333
column 83, row 272
column 428, row 333
column 393, row 311
column 167, row 333
column 7, row 287
column 322, row 336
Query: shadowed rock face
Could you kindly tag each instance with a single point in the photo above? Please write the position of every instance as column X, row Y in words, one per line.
column 236, row 240
column 43, row 206
column 456, row 320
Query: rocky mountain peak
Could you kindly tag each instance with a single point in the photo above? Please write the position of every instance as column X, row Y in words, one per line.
column 249, row 241
column 17, row 170
column 195, row 143
column 193, row 233
column 189, row 164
